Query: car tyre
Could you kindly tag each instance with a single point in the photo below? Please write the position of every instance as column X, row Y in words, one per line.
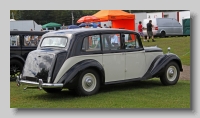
column 171, row 74
column 15, row 69
column 88, row 83
column 162, row 34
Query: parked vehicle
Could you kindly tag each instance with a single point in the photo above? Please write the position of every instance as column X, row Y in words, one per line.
column 21, row 43
column 83, row 60
column 24, row 25
column 164, row 27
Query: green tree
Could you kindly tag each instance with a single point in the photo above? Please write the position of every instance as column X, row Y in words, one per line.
column 61, row 16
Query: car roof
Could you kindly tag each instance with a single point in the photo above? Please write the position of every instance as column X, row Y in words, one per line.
column 82, row 30
column 28, row 32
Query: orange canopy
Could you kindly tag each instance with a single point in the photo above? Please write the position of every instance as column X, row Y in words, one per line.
column 106, row 15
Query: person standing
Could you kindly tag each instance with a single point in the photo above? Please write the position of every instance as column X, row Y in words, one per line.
column 149, row 31
column 105, row 26
column 87, row 26
column 99, row 26
column 140, row 30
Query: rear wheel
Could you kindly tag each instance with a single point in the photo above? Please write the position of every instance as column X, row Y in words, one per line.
column 15, row 69
column 171, row 74
column 162, row 34
column 88, row 83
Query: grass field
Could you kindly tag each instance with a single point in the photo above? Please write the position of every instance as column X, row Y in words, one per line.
column 178, row 45
column 146, row 94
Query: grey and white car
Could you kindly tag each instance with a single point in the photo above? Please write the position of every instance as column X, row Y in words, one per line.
column 83, row 60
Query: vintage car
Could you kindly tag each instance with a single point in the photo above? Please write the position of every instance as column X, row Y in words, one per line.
column 83, row 60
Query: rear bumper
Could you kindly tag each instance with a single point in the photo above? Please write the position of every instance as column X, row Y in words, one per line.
column 40, row 84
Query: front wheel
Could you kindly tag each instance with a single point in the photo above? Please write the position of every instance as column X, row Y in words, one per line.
column 171, row 74
column 88, row 83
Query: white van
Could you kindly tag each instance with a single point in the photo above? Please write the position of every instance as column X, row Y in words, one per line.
column 164, row 27
column 24, row 25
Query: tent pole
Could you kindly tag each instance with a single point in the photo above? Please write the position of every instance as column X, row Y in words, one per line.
column 72, row 18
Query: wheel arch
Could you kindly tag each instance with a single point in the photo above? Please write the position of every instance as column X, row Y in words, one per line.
column 179, row 64
column 18, row 58
column 158, row 74
column 162, row 30
column 157, row 66
column 70, row 78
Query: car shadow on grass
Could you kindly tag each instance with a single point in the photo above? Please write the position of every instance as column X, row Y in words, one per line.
column 67, row 95
column 131, row 86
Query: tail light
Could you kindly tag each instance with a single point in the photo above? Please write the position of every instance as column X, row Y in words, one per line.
column 156, row 28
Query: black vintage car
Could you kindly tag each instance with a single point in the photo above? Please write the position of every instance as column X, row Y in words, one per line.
column 83, row 60
column 21, row 43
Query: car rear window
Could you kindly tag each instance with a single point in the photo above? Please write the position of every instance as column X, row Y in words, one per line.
column 54, row 42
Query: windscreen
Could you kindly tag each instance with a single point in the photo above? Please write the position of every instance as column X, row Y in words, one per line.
column 54, row 42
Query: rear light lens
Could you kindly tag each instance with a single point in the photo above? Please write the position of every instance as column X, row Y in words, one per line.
column 156, row 28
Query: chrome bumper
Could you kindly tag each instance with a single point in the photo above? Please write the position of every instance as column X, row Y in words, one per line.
column 39, row 84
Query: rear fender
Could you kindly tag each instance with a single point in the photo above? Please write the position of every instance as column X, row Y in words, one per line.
column 72, row 74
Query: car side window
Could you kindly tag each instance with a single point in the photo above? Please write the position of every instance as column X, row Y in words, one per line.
column 14, row 40
column 131, row 41
column 31, row 40
column 111, row 41
column 91, row 43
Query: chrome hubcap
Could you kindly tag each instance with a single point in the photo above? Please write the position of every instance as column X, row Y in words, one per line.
column 171, row 73
column 89, row 82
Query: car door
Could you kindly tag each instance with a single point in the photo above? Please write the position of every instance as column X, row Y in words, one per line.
column 134, row 57
column 113, row 57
